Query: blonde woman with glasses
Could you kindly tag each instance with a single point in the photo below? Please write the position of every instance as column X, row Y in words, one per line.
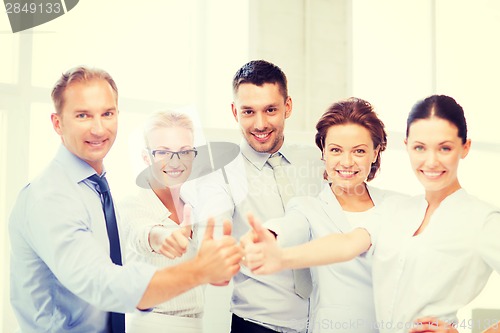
column 156, row 217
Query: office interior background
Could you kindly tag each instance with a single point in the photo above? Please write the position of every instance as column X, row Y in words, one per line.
column 168, row 54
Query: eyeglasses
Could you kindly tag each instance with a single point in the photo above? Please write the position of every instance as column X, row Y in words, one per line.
column 183, row 155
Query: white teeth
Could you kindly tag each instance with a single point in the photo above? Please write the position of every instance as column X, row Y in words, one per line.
column 346, row 173
column 431, row 174
column 173, row 173
column 261, row 136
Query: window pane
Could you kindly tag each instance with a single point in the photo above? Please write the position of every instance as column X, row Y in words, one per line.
column 467, row 61
column 225, row 51
column 390, row 69
column 144, row 45
column 10, row 50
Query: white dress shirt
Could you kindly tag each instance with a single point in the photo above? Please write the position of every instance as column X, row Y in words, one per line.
column 269, row 300
column 440, row 270
column 139, row 213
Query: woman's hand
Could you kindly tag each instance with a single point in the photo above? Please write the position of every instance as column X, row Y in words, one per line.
column 262, row 253
column 495, row 328
column 432, row 324
column 172, row 244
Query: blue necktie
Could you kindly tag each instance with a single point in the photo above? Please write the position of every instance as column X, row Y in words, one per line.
column 117, row 320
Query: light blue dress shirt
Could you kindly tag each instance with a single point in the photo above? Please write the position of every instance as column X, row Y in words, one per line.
column 269, row 300
column 62, row 278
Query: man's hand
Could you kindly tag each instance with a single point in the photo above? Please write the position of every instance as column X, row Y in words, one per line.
column 219, row 260
column 262, row 253
column 226, row 230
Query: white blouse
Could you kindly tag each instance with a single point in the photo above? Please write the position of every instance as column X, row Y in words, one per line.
column 438, row 271
column 342, row 297
column 139, row 213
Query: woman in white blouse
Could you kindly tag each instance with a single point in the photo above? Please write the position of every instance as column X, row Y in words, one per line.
column 156, row 221
column 435, row 252
column 351, row 138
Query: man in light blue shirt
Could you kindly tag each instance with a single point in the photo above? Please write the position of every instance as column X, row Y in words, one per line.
column 62, row 276
column 260, row 303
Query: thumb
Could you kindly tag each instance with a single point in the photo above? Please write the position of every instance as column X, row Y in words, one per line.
column 209, row 231
column 260, row 233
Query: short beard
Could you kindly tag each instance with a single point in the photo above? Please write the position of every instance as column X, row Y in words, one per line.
column 276, row 145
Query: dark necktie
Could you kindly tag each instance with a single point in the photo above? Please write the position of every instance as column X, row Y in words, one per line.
column 117, row 320
column 302, row 277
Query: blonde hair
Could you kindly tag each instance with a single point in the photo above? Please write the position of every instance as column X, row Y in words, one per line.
column 166, row 119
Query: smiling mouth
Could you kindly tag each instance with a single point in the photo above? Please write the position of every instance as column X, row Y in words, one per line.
column 173, row 173
column 347, row 173
column 432, row 174
column 96, row 143
column 262, row 137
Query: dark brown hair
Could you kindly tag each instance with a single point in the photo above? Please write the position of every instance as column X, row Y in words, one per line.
column 258, row 72
column 354, row 111
column 440, row 106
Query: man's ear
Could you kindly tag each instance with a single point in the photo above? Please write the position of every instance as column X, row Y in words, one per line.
column 288, row 107
column 235, row 111
column 56, row 122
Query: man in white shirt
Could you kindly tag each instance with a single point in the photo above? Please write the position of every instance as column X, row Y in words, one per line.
column 261, row 105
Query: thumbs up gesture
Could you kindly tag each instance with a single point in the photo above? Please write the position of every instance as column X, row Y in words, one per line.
column 262, row 253
column 173, row 244
column 219, row 259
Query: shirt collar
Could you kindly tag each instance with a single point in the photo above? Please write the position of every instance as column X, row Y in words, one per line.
column 260, row 159
column 76, row 168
